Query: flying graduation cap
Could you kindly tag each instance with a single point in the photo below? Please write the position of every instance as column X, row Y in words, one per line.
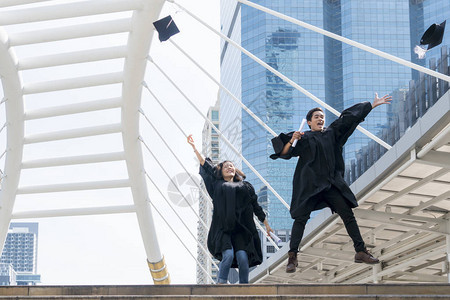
column 166, row 28
column 432, row 37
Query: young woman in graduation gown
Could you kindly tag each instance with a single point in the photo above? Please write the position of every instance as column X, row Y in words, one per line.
column 319, row 176
column 232, row 238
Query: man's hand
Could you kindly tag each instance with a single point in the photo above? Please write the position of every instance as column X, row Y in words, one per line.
column 383, row 100
column 296, row 136
column 268, row 228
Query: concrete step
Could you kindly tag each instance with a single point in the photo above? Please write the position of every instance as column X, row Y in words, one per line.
column 229, row 297
column 252, row 291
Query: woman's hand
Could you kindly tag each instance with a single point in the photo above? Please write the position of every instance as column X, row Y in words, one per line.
column 190, row 141
column 268, row 228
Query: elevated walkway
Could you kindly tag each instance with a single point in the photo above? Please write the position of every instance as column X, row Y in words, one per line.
column 258, row 291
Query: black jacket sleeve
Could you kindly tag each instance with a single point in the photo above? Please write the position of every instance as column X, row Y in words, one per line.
column 207, row 172
column 257, row 209
column 349, row 120
column 278, row 144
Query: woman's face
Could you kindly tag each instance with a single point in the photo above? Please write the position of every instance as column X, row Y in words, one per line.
column 228, row 170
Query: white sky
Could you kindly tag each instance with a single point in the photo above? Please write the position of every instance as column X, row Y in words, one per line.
column 109, row 249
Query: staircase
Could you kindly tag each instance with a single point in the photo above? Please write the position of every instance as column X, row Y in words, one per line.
column 215, row 292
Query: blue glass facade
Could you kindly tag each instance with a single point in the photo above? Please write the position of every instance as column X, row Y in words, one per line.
column 423, row 14
column 230, row 76
column 383, row 25
column 337, row 73
column 298, row 54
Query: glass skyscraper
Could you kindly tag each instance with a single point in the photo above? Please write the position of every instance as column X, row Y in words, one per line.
column 296, row 53
column 383, row 25
column 210, row 148
column 20, row 253
column 230, row 74
column 339, row 74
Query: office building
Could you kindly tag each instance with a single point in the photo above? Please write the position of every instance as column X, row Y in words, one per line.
column 337, row 73
column 210, row 148
column 19, row 257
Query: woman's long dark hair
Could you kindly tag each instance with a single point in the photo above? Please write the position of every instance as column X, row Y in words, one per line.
column 238, row 174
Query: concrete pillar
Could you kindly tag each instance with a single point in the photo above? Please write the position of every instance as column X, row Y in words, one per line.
column 447, row 253
column 375, row 270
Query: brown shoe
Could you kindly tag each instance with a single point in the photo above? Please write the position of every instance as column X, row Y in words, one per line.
column 365, row 257
column 292, row 262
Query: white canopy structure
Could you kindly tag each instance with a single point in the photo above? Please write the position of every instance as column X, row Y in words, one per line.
column 139, row 30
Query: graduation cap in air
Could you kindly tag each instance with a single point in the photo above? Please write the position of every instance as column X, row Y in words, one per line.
column 166, row 28
column 432, row 37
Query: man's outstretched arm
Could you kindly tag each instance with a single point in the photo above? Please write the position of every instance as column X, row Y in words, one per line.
column 349, row 119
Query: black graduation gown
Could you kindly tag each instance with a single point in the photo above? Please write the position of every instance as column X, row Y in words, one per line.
column 321, row 163
column 232, row 225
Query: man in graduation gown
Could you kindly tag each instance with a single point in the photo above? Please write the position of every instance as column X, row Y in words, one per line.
column 319, row 176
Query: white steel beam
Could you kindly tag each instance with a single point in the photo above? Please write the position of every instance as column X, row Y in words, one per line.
column 422, row 206
column 73, row 108
column 67, row 10
column 427, row 263
column 72, row 83
column 332, row 254
column 77, row 186
column 383, row 216
column 417, row 259
column 73, row 160
column 440, row 139
column 389, row 253
column 434, row 225
column 415, row 242
column 418, row 277
column 410, row 188
column 60, row 59
column 436, row 158
column 72, row 133
column 70, row 32
column 364, row 277
column 7, row 3
column 12, row 90
column 134, row 70
column 447, row 253
column 385, row 180
column 85, row 211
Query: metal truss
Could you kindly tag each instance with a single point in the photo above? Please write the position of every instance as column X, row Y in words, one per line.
column 130, row 18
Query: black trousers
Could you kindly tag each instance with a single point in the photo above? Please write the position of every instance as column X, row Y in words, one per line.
column 337, row 202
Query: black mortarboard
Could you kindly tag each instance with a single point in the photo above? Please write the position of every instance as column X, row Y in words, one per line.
column 433, row 35
column 166, row 28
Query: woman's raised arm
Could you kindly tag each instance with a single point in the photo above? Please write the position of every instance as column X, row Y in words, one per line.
column 200, row 158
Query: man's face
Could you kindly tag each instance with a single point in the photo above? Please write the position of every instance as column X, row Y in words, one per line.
column 317, row 121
